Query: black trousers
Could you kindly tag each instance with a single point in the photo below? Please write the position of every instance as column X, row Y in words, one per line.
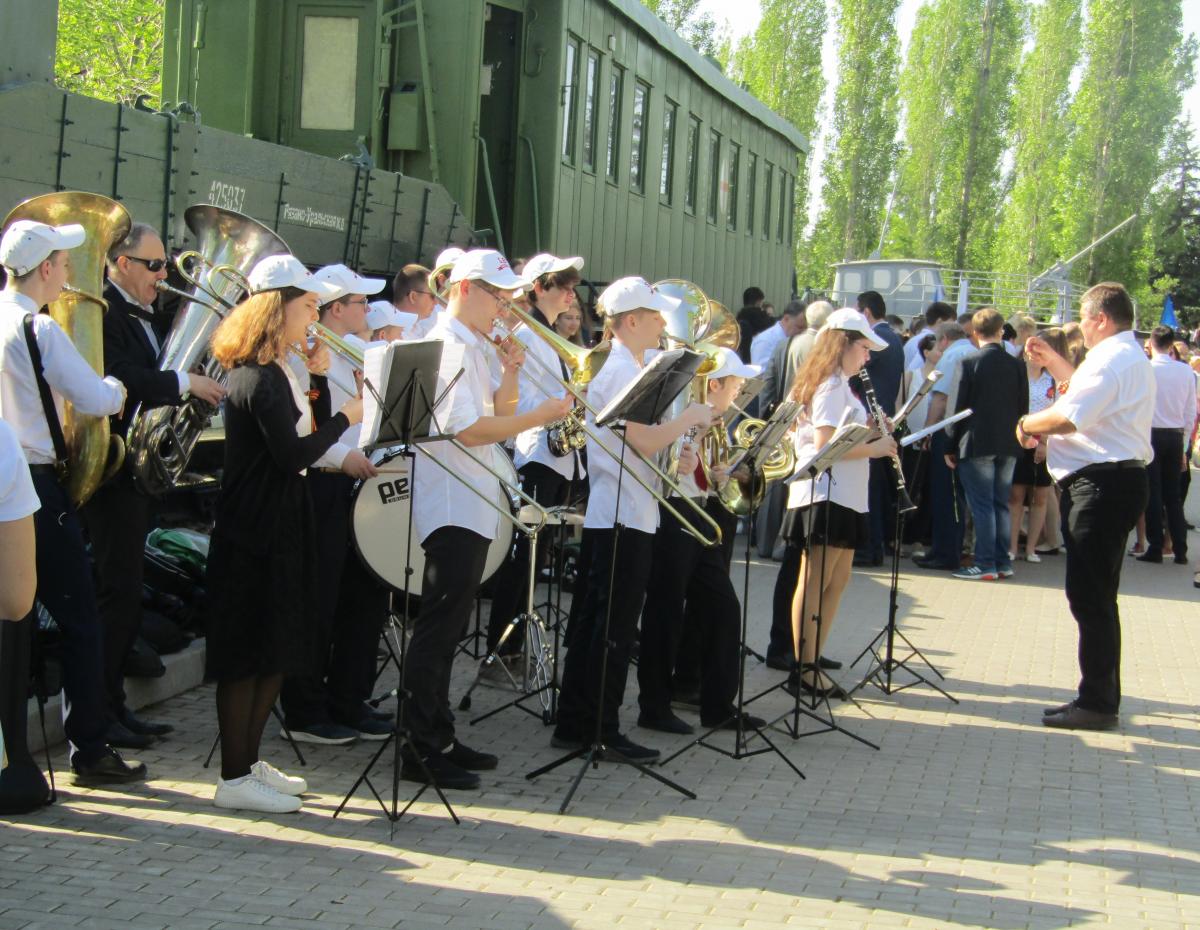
column 682, row 569
column 64, row 586
column 454, row 562
column 349, row 614
column 782, row 643
column 581, row 695
column 881, row 494
column 1098, row 511
column 118, row 517
column 548, row 488
column 688, row 662
column 1165, row 476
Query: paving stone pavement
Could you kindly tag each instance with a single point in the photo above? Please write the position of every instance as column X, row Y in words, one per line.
column 969, row 814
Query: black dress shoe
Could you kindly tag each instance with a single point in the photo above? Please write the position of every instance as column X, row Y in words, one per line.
column 730, row 721
column 830, row 664
column 109, row 769
column 620, row 748
column 122, row 737
column 145, row 727
column 936, row 566
column 664, row 723
column 470, row 759
column 686, row 700
column 1180, row 559
column 1078, row 718
column 563, row 739
column 1151, row 555
column 442, row 770
column 1060, row 709
column 781, row 663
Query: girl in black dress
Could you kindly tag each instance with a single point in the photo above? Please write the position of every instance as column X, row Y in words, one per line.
column 262, row 560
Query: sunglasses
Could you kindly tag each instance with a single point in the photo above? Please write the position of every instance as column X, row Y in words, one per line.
column 153, row 265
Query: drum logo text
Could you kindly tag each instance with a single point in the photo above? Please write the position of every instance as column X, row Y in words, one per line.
column 392, row 491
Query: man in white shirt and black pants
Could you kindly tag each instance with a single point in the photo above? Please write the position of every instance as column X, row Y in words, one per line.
column 1099, row 444
column 1174, row 417
column 453, row 525
column 32, row 392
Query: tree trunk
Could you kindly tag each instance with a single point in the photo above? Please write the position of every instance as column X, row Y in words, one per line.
column 969, row 166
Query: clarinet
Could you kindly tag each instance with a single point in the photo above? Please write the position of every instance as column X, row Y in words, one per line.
column 903, row 502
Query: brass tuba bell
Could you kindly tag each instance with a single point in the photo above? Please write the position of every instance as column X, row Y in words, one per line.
column 93, row 454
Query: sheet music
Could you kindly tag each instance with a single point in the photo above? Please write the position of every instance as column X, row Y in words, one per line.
column 930, row 430
column 664, row 361
column 922, row 389
column 377, row 370
column 770, row 435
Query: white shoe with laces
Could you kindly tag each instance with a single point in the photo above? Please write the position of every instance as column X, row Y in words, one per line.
column 1032, row 557
column 249, row 794
column 292, row 785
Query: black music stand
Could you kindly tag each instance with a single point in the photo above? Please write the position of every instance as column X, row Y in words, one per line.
column 644, row 400
column 884, row 661
column 405, row 414
column 847, row 437
column 766, row 440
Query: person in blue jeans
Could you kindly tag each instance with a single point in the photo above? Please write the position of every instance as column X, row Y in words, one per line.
column 984, row 447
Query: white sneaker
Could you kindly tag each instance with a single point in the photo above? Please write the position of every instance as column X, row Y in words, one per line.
column 249, row 794
column 291, row 785
column 1032, row 557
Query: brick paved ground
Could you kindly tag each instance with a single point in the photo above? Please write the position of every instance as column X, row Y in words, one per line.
column 970, row 815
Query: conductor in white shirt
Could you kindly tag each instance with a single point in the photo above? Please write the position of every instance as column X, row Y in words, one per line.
column 1098, row 447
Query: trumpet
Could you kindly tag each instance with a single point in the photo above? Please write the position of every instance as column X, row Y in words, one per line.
column 585, row 365
column 903, row 502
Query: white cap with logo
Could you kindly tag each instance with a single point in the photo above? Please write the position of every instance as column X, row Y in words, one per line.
column 489, row 266
column 446, row 258
column 381, row 313
column 28, row 243
column 852, row 321
column 278, row 271
column 731, row 365
column 347, row 282
column 633, row 293
column 545, row 263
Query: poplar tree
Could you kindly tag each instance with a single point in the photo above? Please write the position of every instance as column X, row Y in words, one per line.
column 110, row 49
column 858, row 166
column 1026, row 240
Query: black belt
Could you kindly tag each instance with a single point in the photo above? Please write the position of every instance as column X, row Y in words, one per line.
column 1099, row 467
column 51, row 470
column 1168, row 429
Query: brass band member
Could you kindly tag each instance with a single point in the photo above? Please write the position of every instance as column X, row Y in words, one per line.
column 839, row 521
column 262, row 563
column 634, row 311
column 453, row 525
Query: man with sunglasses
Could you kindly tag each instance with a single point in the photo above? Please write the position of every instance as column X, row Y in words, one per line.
column 118, row 516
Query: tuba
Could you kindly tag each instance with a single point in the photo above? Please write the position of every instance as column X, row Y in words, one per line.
column 228, row 244
column 742, row 494
column 93, row 454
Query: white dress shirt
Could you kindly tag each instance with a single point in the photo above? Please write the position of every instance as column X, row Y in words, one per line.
column 1110, row 401
column 539, row 379
column 422, row 328
column 639, row 510
column 341, row 372
column 912, row 350
column 763, row 345
column 830, row 402
column 148, row 329
column 1175, row 399
column 18, row 499
column 440, row 498
column 67, row 372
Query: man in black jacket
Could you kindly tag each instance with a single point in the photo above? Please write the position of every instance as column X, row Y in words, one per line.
column 118, row 515
column 984, row 448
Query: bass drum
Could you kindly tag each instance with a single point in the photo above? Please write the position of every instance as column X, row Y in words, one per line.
column 379, row 521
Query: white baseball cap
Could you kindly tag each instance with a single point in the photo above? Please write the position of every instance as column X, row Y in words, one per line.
column 28, row 243
column 446, row 258
column 731, row 365
column 278, row 271
column 489, row 266
column 381, row 313
column 852, row 321
column 627, row 294
column 545, row 263
column 347, row 282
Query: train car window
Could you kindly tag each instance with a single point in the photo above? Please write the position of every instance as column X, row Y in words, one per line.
column 637, row 138
column 666, row 180
column 591, row 100
column 791, row 232
column 751, row 190
column 881, row 279
column 731, row 185
column 329, row 73
column 693, row 164
column 768, row 191
column 714, row 174
column 570, row 97
column 616, row 84
column 784, row 177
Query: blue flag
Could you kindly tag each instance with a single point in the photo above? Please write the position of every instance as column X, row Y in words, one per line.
column 1168, row 314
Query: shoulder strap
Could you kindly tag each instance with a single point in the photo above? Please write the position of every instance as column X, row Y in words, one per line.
column 48, row 408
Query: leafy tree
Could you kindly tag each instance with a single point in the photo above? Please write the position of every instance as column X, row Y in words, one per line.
column 862, row 150
column 1175, row 221
column 1026, row 241
column 110, row 49
column 700, row 30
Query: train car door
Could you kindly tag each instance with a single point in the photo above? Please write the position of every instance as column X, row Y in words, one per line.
column 326, row 75
column 499, row 92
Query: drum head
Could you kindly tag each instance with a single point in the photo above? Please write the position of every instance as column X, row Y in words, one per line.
column 379, row 525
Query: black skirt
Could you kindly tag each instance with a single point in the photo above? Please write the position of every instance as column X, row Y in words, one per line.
column 1029, row 473
column 847, row 529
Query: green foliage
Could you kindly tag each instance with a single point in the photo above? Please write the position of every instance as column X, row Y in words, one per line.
column 1028, row 230
column 110, row 49
column 957, row 88
column 857, row 168
column 1175, row 225
column 698, row 29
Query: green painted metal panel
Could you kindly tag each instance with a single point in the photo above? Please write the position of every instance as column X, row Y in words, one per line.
column 28, row 32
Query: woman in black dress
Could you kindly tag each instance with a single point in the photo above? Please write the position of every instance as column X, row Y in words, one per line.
column 262, row 560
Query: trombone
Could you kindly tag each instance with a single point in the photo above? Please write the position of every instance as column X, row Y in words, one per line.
column 577, row 359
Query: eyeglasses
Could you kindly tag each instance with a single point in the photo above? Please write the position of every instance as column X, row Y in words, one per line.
column 360, row 300
column 153, row 265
